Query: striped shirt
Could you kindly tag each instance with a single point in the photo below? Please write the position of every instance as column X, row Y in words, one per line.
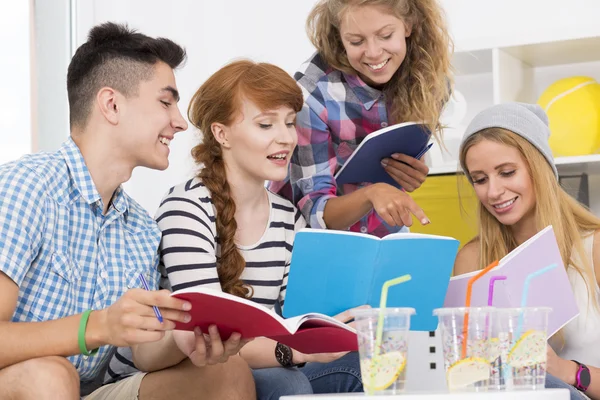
column 189, row 251
column 189, row 247
column 63, row 253
column 339, row 111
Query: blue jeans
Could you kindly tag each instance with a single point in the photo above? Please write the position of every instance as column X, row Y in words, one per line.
column 272, row 383
column 553, row 382
column 339, row 376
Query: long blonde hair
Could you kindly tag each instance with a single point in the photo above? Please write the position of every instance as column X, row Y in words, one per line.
column 421, row 86
column 569, row 219
column 219, row 100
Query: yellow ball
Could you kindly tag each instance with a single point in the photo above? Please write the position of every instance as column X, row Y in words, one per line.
column 573, row 108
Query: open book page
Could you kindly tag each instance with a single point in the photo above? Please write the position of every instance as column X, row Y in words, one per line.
column 313, row 320
column 410, row 235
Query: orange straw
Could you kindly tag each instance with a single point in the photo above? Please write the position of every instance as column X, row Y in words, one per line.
column 468, row 304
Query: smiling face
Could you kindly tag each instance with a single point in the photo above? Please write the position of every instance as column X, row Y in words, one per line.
column 259, row 143
column 502, row 181
column 375, row 42
column 151, row 119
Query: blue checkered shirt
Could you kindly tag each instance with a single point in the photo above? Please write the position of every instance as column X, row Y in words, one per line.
column 59, row 248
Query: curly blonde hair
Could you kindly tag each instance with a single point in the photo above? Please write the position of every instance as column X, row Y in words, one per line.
column 422, row 84
column 219, row 100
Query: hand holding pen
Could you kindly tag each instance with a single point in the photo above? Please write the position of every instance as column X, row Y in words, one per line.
column 156, row 310
column 140, row 316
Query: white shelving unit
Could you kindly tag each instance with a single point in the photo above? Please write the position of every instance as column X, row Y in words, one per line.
column 502, row 57
column 589, row 164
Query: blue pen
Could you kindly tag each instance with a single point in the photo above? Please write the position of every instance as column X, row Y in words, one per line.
column 156, row 310
column 425, row 150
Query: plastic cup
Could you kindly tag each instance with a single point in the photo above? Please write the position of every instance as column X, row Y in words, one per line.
column 498, row 349
column 468, row 367
column 521, row 335
column 383, row 367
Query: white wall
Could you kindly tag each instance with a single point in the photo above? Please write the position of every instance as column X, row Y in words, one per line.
column 214, row 33
column 16, row 83
column 52, row 46
column 217, row 31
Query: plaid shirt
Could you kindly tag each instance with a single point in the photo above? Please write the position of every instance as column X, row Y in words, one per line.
column 62, row 252
column 339, row 111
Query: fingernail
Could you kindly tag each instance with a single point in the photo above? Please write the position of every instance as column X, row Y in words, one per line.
column 395, row 156
column 197, row 331
column 187, row 306
column 384, row 162
column 425, row 221
column 187, row 318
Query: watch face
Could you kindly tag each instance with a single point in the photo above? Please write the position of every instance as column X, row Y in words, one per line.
column 584, row 377
column 283, row 354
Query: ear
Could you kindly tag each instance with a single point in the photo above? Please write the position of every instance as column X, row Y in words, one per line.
column 407, row 28
column 107, row 100
column 220, row 132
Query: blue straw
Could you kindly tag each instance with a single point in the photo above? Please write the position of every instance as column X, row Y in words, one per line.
column 526, row 291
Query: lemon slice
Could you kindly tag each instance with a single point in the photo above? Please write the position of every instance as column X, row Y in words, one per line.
column 381, row 372
column 467, row 371
column 529, row 350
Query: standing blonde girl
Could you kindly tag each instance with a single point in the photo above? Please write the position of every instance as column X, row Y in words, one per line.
column 378, row 62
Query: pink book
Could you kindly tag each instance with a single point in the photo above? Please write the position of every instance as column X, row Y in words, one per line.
column 308, row 333
column 551, row 289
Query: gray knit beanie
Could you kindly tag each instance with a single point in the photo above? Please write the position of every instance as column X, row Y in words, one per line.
column 526, row 120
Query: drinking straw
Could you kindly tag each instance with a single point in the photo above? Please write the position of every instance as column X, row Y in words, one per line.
column 493, row 280
column 468, row 304
column 379, row 330
column 526, row 292
column 382, row 305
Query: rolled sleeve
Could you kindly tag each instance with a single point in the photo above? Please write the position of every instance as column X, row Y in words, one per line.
column 22, row 200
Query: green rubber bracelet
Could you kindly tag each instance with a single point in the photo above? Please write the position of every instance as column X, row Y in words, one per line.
column 81, row 334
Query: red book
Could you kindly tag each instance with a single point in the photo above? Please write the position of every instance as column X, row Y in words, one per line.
column 308, row 333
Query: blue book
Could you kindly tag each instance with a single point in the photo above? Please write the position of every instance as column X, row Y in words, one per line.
column 332, row 271
column 364, row 165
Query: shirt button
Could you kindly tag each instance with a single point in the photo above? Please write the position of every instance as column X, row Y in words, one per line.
column 384, row 124
column 85, row 358
column 364, row 229
column 103, row 274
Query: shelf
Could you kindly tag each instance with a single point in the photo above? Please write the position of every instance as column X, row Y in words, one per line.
column 559, row 52
column 578, row 164
column 566, row 165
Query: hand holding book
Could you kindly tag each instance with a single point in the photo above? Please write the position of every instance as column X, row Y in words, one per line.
column 409, row 139
column 408, row 172
column 207, row 348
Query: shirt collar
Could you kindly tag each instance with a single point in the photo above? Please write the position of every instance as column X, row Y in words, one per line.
column 366, row 94
column 82, row 179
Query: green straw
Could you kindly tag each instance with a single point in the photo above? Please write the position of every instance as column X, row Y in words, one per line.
column 379, row 331
column 382, row 305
